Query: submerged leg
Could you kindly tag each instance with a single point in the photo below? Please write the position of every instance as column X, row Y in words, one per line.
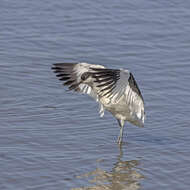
column 121, row 124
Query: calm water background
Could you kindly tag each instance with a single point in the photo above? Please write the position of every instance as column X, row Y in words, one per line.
column 54, row 139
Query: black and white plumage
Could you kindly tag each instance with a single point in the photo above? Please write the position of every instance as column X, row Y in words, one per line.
column 115, row 89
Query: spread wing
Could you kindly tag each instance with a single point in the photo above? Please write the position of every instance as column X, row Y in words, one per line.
column 71, row 73
column 64, row 71
column 115, row 84
column 112, row 83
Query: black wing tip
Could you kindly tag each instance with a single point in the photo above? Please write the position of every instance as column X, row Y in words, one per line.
column 64, row 73
column 134, row 86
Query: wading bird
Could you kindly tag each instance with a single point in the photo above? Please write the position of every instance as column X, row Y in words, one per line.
column 114, row 89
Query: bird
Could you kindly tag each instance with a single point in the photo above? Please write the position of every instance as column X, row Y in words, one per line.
column 114, row 89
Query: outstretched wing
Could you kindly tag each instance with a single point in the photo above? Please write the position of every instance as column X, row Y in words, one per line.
column 70, row 74
column 65, row 72
column 112, row 83
column 115, row 84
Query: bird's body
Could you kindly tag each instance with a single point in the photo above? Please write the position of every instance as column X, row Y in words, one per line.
column 115, row 89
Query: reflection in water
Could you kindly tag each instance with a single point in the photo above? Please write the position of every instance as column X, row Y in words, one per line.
column 124, row 176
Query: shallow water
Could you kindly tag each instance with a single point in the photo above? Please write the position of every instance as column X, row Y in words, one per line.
column 54, row 139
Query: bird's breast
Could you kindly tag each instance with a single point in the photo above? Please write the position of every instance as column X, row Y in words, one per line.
column 123, row 110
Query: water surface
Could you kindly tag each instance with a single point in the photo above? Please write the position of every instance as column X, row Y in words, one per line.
column 54, row 139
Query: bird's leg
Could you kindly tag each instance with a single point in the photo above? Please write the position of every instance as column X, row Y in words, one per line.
column 121, row 124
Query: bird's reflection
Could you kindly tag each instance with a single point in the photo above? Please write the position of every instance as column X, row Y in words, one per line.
column 125, row 175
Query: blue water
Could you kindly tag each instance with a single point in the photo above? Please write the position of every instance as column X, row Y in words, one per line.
column 54, row 139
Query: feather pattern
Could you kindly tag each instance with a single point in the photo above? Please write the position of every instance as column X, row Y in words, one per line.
column 71, row 74
column 114, row 89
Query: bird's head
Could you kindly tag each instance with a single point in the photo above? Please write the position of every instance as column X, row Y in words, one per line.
column 85, row 76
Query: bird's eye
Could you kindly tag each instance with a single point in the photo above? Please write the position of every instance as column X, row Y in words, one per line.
column 84, row 76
